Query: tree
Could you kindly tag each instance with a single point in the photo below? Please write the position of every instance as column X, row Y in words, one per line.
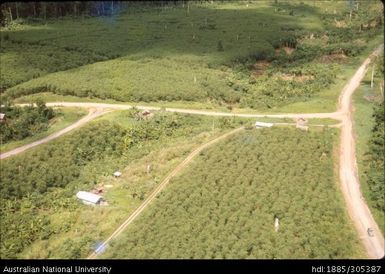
column 220, row 46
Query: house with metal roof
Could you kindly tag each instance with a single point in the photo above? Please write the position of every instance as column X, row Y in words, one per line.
column 89, row 198
column 263, row 125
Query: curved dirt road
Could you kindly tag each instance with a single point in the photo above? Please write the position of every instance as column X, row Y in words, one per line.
column 357, row 207
column 332, row 115
column 93, row 113
column 157, row 190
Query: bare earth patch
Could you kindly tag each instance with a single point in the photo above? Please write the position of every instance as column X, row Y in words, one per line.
column 340, row 24
column 288, row 50
column 297, row 78
column 334, row 57
column 259, row 68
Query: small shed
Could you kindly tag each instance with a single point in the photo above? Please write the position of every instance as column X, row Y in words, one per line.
column 263, row 125
column 89, row 198
column 276, row 224
column 301, row 123
column 146, row 114
column 2, row 117
column 117, row 174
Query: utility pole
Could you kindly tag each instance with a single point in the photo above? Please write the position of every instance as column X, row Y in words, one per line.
column 371, row 83
column 10, row 12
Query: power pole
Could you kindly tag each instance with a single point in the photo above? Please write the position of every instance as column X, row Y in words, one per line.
column 371, row 83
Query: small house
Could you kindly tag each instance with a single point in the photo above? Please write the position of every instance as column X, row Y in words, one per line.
column 263, row 125
column 2, row 117
column 89, row 198
column 146, row 114
column 117, row 174
column 98, row 190
column 301, row 123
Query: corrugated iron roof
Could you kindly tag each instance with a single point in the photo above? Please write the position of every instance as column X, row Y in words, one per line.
column 89, row 197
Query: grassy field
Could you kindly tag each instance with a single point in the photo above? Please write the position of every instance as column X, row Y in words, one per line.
column 64, row 118
column 206, row 55
column 364, row 100
column 41, row 217
column 228, row 210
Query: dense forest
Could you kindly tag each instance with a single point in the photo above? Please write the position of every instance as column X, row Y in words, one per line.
column 224, row 205
column 21, row 122
column 34, row 11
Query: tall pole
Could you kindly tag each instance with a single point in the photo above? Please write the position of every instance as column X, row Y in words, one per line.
column 371, row 83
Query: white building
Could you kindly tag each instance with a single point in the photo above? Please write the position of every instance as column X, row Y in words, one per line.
column 89, row 198
column 263, row 125
column 117, row 174
column 2, row 117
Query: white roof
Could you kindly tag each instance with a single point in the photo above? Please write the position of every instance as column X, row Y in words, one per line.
column 117, row 173
column 88, row 196
column 262, row 124
column 2, row 115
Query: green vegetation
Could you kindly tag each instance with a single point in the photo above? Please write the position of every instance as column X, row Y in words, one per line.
column 22, row 122
column 375, row 160
column 229, row 54
column 63, row 118
column 369, row 127
column 228, row 209
column 38, row 187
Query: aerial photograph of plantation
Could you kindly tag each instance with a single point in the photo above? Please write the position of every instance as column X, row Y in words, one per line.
column 192, row 129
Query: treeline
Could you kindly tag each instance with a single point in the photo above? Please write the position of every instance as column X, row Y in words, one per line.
column 21, row 10
column 21, row 122
column 375, row 163
column 224, row 205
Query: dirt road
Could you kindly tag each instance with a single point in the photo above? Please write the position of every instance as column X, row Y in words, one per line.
column 93, row 113
column 333, row 115
column 350, row 185
column 99, row 108
column 157, row 190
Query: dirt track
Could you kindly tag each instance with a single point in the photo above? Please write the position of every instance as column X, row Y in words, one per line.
column 333, row 115
column 93, row 113
column 350, row 185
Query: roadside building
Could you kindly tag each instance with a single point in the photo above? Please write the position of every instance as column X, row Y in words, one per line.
column 2, row 117
column 301, row 123
column 146, row 114
column 117, row 174
column 263, row 125
column 89, row 198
